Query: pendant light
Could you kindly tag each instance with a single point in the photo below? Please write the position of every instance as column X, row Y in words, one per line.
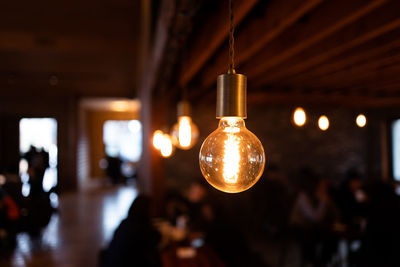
column 167, row 148
column 163, row 143
column 323, row 123
column 361, row 120
column 158, row 136
column 184, row 133
column 299, row 117
column 231, row 158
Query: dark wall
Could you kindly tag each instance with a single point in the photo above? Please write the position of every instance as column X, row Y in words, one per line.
column 331, row 153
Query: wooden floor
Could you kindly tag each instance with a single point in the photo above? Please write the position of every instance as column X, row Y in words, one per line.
column 85, row 223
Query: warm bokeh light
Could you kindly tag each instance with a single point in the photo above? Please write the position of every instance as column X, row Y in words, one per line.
column 323, row 123
column 299, row 117
column 232, row 158
column 361, row 120
column 166, row 148
column 119, row 105
column 184, row 133
column 158, row 137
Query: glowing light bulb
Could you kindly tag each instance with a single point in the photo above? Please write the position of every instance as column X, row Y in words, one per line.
column 158, row 139
column 184, row 133
column 323, row 123
column 299, row 117
column 232, row 158
column 361, row 120
column 166, row 148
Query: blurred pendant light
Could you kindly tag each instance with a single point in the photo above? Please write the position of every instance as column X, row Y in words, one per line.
column 163, row 143
column 299, row 117
column 361, row 120
column 158, row 136
column 184, row 133
column 232, row 158
column 167, row 147
column 323, row 123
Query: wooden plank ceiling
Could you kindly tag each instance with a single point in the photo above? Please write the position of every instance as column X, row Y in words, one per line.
column 318, row 51
column 76, row 47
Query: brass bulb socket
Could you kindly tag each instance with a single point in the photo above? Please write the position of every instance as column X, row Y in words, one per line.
column 231, row 95
column 183, row 109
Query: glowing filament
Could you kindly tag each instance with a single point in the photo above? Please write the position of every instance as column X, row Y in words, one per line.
column 231, row 159
column 185, row 132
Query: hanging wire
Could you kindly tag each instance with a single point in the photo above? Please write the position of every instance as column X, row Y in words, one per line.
column 231, row 40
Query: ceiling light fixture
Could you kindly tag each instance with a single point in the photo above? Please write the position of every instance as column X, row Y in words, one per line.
column 158, row 136
column 184, row 133
column 299, row 117
column 323, row 123
column 232, row 158
column 166, row 148
column 361, row 120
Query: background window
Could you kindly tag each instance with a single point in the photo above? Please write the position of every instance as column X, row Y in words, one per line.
column 396, row 150
column 123, row 139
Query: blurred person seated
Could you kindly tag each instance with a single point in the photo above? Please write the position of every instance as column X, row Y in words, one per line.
column 13, row 184
column 312, row 218
column 350, row 199
column 9, row 215
column 200, row 210
column 272, row 201
column 381, row 243
column 135, row 241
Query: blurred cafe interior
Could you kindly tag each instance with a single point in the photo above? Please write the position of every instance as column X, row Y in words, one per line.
column 178, row 133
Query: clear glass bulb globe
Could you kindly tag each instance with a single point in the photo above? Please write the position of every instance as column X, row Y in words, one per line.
column 232, row 158
column 157, row 139
column 166, row 147
column 184, row 133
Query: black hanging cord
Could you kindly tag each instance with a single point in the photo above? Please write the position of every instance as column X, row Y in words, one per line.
column 184, row 93
column 231, row 40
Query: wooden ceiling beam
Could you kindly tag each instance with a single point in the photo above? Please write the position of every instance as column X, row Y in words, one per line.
column 64, row 88
column 356, row 73
column 350, row 58
column 30, row 42
column 366, row 81
column 64, row 62
column 279, row 15
column 350, row 101
column 211, row 36
column 327, row 20
column 385, row 19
